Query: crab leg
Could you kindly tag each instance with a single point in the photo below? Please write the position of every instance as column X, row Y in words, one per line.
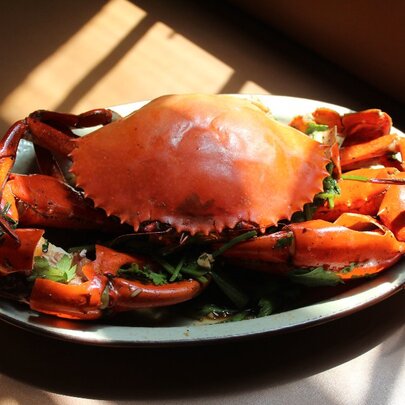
column 355, row 155
column 44, row 201
column 343, row 247
column 20, row 257
column 41, row 200
column 366, row 134
column 49, row 137
column 48, row 164
column 8, row 150
column 39, row 126
column 363, row 126
column 52, row 130
column 100, row 116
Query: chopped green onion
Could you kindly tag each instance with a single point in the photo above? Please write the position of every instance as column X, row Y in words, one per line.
column 177, row 270
column 354, row 177
column 167, row 266
column 314, row 127
column 234, row 241
column 238, row 297
column 390, row 180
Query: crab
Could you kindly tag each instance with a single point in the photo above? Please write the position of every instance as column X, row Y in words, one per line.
column 196, row 164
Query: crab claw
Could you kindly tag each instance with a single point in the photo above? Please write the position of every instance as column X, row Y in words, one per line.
column 101, row 288
column 126, row 294
column 74, row 301
column 343, row 247
column 353, row 246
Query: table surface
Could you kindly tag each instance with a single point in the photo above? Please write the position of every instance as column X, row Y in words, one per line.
column 81, row 55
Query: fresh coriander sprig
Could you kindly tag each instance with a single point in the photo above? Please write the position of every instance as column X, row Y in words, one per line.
column 63, row 272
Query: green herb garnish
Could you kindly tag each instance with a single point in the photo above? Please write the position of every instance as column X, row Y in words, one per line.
column 314, row 127
column 314, row 277
column 63, row 272
column 144, row 273
column 285, row 241
column 266, row 307
column 233, row 242
column 231, row 290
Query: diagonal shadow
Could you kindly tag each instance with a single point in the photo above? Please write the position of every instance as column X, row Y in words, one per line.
column 286, row 67
column 26, row 43
column 107, row 64
column 234, row 84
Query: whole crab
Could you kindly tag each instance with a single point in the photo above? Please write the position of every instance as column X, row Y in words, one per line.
column 198, row 164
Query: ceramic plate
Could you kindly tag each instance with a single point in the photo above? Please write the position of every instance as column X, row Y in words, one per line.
column 159, row 328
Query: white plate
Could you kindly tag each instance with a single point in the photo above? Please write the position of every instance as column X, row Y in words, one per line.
column 176, row 330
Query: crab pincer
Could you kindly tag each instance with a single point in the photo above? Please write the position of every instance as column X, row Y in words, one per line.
column 341, row 247
column 101, row 289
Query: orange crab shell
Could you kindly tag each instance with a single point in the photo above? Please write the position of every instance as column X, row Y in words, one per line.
column 200, row 163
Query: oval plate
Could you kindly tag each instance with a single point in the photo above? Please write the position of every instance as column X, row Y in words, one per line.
column 164, row 328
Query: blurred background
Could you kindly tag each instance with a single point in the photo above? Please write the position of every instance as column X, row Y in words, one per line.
column 74, row 55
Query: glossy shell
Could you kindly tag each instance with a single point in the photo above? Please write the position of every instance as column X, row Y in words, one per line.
column 200, row 163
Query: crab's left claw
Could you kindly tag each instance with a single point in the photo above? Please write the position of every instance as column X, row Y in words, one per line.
column 126, row 294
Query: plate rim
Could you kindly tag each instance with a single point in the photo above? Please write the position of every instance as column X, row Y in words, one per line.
column 390, row 282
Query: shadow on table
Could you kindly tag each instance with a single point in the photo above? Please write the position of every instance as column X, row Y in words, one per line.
column 253, row 50
column 237, row 39
column 26, row 42
column 164, row 373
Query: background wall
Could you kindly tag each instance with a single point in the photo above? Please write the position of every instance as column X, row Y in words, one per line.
column 366, row 37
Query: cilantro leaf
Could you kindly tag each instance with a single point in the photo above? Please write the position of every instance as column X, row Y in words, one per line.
column 143, row 274
column 62, row 272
